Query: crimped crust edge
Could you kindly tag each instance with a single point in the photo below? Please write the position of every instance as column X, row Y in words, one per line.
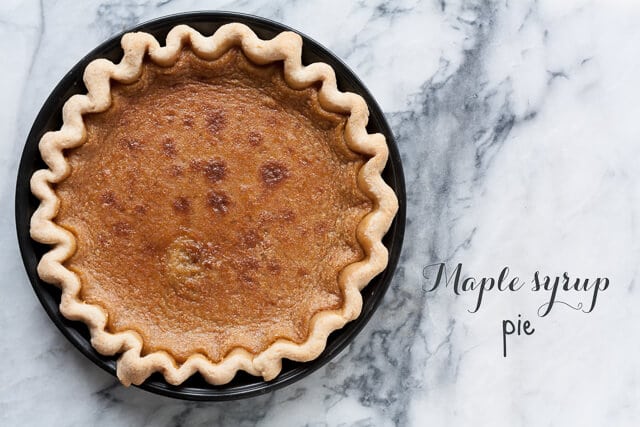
column 132, row 367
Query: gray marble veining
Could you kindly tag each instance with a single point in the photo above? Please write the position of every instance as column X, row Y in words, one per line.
column 517, row 126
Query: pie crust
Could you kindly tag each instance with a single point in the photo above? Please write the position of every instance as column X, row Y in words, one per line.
column 133, row 366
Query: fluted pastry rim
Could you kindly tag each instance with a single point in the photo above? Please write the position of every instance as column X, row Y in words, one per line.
column 132, row 366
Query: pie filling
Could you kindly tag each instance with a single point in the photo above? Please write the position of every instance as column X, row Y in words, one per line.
column 213, row 207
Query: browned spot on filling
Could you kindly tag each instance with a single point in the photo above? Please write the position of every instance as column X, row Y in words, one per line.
column 274, row 267
column 287, row 215
column 218, row 201
column 251, row 239
column 181, row 205
column 122, row 229
column 108, row 198
column 215, row 170
column 273, row 172
column 216, row 120
column 255, row 138
column 169, row 148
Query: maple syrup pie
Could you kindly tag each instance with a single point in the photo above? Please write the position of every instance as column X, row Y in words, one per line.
column 212, row 205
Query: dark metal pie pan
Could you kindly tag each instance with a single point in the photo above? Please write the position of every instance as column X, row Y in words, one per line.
column 50, row 118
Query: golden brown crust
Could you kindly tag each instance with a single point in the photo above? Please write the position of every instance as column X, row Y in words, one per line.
column 133, row 367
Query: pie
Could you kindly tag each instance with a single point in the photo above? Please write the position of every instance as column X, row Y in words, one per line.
column 213, row 205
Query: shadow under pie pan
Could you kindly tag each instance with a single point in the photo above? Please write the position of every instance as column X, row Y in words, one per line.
column 196, row 388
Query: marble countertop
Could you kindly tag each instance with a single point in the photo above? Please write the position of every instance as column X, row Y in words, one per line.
column 520, row 136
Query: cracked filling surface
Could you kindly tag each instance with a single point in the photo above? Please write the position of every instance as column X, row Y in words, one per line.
column 213, row 207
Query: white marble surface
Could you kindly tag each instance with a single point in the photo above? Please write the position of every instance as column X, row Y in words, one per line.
column 519, row 129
